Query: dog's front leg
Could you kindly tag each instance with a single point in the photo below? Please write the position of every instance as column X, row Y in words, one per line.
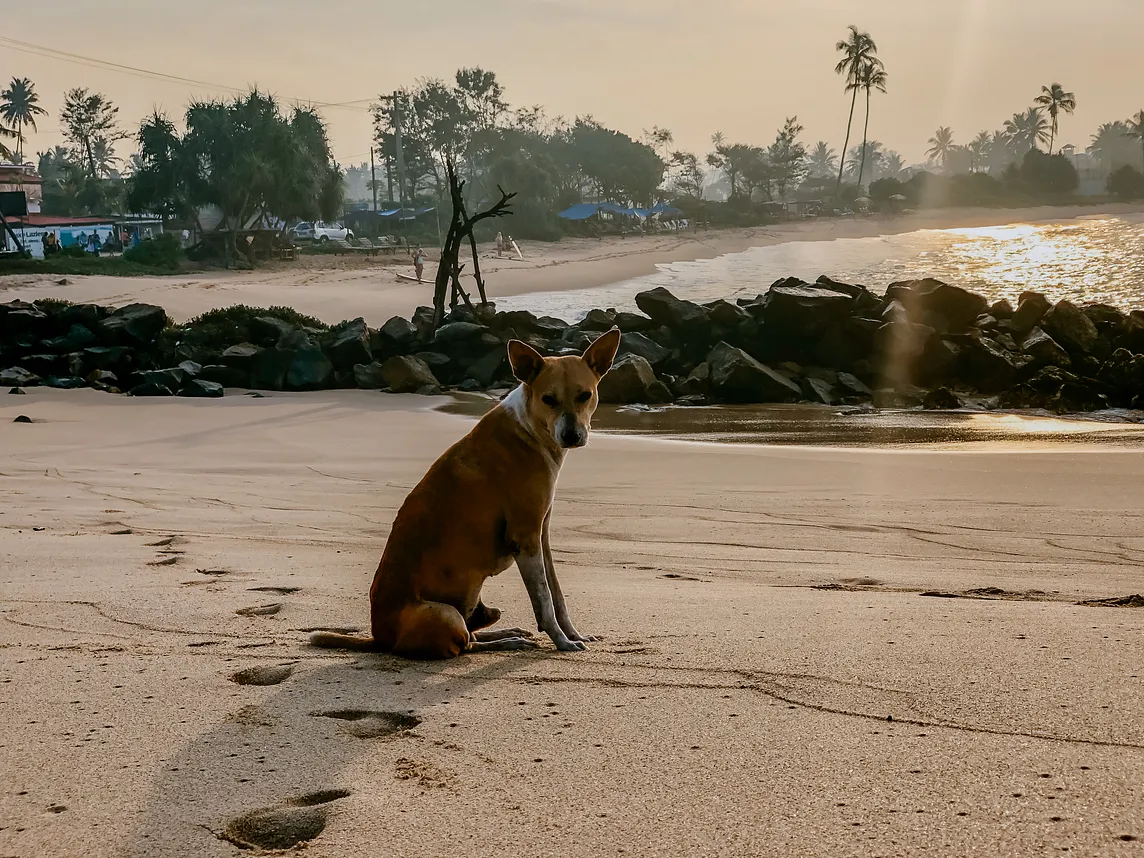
column 536, row 582
column 558, row 603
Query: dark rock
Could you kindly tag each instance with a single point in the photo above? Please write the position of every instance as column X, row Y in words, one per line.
column 269, row 329
column 851, row 385
column 988, row 366
column 1001, row 309
column 294, row 340
column 133, row 325
column 939, row 360
column 903, row 396
column 630, row 323
column 1049, row 380
column 407, row 374
column 454, row 334
column 88, row 315
column 638, row 344
column 895, row 311
column 268, row 368
column 986, row 322
column 1068, row 325
column 75, row 339
column 1044, row 350
column 22, row 418
column 597, row 320
column 725, row 314
column 240, row 356
column 227, row 376
column 1108, row 319
column 201, row 388
column 697, row 382
column 801, row 312
column 349, row 344
column 933, row 303
column 17, row 391
column 150, row 389
column 941, row 399
column 1122, row 377
column 1022, row 396
column 819, row 390
column 17, row 376
column 428, row 390
column 44, row 365
column 1132, row 337
column 492, row 367
column 738, row 377
column 65, row 382
column 27, row 320
column 1031, row 309
column 102, row 377
column 394, row 337
column 172, row 378
column 470, row 385
column 630, row 380
column 191, row 369
column 368, row 376
column 663, row 308
column 310, row 369
column 438, row 363
column 1075, row 398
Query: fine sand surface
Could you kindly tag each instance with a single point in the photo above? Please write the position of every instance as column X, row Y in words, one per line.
column 771, row 680
column 344, row 287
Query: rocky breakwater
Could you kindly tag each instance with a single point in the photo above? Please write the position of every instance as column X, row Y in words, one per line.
column 923, row 343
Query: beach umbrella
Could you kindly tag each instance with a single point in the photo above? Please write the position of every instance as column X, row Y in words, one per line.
column 899, row 197
column 862, row 200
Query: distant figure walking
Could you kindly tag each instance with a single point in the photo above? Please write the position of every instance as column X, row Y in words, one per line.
column 500, row 245
column 419, row 262
column 511, row 244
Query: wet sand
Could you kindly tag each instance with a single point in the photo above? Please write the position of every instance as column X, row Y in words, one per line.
column 772, row 679
column 345, row 287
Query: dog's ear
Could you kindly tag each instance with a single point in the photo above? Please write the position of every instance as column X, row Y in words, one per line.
column 526, row 362
column 602, row 352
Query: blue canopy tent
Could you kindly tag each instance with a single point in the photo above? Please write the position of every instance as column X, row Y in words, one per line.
column 580, row 211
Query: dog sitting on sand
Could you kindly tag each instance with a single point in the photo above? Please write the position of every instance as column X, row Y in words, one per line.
column 486, row 503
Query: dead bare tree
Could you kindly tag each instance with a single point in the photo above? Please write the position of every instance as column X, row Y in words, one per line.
column 448, row 280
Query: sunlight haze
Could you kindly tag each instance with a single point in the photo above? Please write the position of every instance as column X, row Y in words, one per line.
column 735, row 66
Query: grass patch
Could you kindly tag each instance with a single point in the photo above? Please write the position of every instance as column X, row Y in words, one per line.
column 215, row 331
column 111, row 266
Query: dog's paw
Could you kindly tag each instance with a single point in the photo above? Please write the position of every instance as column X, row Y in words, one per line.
column 517, row 633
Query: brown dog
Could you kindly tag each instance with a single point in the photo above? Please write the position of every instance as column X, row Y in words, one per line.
column 485, row 503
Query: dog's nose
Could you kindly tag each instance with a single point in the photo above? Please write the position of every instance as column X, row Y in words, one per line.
column 573, row 438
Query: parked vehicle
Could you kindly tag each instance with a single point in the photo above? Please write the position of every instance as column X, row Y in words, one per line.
column 326, row 231
column 303, row 231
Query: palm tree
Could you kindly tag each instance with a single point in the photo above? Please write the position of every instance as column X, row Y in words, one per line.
column 6, row 133
column 1136, row 125
column 822, row 160
column 1110, row 144
column 870, row 153
column 893, row 165
column 1055, row 100
column 1026, row 130
column 941, row 146
column 979, row 150
column 873, row 77
column 858, row 52
column 19, row 107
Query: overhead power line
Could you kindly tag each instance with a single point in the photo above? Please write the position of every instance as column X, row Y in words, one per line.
column 93, row 62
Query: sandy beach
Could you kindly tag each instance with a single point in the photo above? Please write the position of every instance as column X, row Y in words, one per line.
column 771, row 680
column 337, row 288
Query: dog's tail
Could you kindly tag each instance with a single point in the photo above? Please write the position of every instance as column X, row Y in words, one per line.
column 334, row 640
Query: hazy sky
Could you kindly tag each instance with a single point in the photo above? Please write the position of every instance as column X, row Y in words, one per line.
column 739, row 66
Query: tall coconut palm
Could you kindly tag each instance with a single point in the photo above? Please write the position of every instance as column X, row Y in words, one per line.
column 941, row 146
column 979, row 151
column 1113, row 145
column 822, row 160
column 1026, row 130
column 6, row 134
column 1056, row 101
column 893, row 165
column 858, row 52
column 19, row 107
column 873, row 77
column 1136, row 125
column 871, row 154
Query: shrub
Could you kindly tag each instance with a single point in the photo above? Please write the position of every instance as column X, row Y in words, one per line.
column 162, row 251
column 1049, row 174
column 1127, row 182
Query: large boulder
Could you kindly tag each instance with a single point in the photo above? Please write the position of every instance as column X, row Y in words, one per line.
column 240, row 356
column 1031, row 309
column 268, row 368
column 738, row 377
column 17, row 376
column 454, row 334
column 1077, row 398
column 227, row 376
column 407, row 374
column 1068, row 325
column 349, row 344
column 941, row 399
column 395, row 337
column 631, row 379
column 269, row 329
column 630, row 322
column 491, row 368
column 988, row 366
column 1044, row 350
column 820, row 390
column 76, row 338
column 948, row 309
column 133, row 325
column 309, row 369
column 650, row 350
column 171, row 378
column 114, row 358
column 663, row 308
column 725, row 314
column 201, row 388
column 1122, row 377
column 368, row 376
column 801, row 312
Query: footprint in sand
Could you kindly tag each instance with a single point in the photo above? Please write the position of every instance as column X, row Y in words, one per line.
column 366, row 724
column 284, row 826
column 263, row 674
column 281, row 591
column 260, row 610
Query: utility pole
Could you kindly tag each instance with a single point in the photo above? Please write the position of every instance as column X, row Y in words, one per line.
column 399, row 153
column 373, row 178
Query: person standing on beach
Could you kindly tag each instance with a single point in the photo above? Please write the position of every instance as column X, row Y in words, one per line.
column 419, row 262
column 500, row 245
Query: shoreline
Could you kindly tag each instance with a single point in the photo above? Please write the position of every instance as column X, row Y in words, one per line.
column 337, row 288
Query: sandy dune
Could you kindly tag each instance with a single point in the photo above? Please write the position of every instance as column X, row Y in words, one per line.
column 337, row 288
column 735, row 707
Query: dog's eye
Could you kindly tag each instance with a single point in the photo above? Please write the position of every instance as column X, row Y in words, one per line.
column 584, row 396
column 549, row 400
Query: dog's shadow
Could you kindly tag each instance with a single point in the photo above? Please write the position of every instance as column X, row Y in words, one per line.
column 282, row 755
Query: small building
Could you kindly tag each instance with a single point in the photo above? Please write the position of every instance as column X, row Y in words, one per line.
column 70, row 231
column 23, row 177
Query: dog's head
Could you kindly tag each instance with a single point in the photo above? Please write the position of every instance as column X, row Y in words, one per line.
column 560, row 392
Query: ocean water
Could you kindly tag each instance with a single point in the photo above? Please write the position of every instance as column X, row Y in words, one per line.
column 1098, row 258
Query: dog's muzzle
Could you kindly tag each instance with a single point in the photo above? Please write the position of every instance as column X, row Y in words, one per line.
column 569, row 433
